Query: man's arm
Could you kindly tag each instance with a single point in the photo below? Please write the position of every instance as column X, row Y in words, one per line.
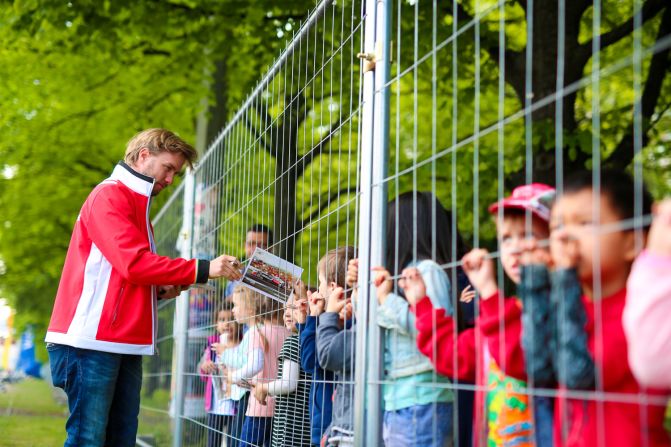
column 109, row 223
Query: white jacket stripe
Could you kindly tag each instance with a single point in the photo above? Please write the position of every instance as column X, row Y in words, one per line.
column 90, row 306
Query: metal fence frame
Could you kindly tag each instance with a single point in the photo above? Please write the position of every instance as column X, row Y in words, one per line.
column 374, row 179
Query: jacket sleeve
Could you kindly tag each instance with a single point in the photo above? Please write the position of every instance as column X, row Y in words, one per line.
column 335, row 346
column 501, row 325
column 574, row 364
column 538, row 340
column 452, row 354
column 109, row 223
column 395, row 315
column 645, row 320
column 438, row 287
column 308, row 335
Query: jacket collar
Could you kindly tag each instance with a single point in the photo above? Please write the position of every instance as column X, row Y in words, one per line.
column 139, row 183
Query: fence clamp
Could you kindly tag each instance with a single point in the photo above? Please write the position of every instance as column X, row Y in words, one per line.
column 369, row 61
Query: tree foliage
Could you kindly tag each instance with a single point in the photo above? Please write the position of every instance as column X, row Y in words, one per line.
column 81, row 77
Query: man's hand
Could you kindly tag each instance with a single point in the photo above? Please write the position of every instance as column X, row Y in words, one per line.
column 383, row 283
column 226, row 266
column 261, row 393
column 317, row 303
column 480, row 271
column 168, row 292
column 413, row 285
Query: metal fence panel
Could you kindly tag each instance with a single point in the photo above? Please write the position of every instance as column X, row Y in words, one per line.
column 451, row 107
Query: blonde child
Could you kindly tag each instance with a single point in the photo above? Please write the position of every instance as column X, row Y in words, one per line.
column 260, row 347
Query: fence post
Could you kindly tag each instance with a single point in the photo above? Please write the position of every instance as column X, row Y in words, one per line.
column 181, row 322
column 372, row 221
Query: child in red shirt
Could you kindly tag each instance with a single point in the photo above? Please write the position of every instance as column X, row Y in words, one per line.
column 586, row 348
column 485, row 354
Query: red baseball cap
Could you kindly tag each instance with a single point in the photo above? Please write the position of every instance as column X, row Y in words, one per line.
column 536, row 197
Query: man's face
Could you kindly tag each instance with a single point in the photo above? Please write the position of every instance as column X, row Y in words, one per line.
column 162, row 167
column 255, row 239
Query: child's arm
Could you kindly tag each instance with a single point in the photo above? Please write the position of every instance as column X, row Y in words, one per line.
column 254, row 362
column 335, row 347
column 290, row 358
column 286, row 384
column 436, row 332
column 308, row 335
column 648, row 306
column 500, row 318
column 645, row 319
column 252, row 366
column 574, row 364
column 205, row 365
column 538, row 341
column 393, row 311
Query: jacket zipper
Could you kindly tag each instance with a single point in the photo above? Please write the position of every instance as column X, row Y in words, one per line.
column 116, row 306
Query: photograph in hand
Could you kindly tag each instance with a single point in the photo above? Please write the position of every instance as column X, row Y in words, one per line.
column 271, row 275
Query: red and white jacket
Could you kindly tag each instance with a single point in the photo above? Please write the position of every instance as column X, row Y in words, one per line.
column 107, row 296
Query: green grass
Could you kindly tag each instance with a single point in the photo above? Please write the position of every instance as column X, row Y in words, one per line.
column 30, row 416
column 154, row 420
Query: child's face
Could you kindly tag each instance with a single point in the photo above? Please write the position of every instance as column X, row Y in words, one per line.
column 511, row 231
column 223, row 319
column 613, row 250
column 325, row 288
column 289, row 321
column 241, row 310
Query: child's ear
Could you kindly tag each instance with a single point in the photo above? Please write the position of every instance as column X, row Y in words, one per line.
column 333, row 285
column 631, row 249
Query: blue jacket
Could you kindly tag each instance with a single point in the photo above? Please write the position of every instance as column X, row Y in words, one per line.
column 321, row 392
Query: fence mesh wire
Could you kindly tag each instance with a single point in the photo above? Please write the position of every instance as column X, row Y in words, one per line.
column 483, row 96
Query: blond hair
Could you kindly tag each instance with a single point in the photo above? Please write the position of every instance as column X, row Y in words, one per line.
column 334, row 264
column 264, row 308
column 156, row 141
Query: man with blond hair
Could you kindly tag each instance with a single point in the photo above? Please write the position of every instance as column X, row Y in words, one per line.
column 104, row 316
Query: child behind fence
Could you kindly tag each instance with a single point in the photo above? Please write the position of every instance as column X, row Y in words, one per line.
column 584, row 342
column 331, row 272
column 291, row 389
column 418, row 406
column 260, row 347
column 648, row 308
column 335, row 343
column 220, row 403
column 502, row 414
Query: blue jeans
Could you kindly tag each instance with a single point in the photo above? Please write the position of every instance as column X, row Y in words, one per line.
column 427, row 425
column 103, row 392
column 256, row 431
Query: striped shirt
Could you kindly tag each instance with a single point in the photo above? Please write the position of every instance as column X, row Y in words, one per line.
column 291, row 423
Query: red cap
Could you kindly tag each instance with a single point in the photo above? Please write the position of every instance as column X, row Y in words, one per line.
column 535, row 197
